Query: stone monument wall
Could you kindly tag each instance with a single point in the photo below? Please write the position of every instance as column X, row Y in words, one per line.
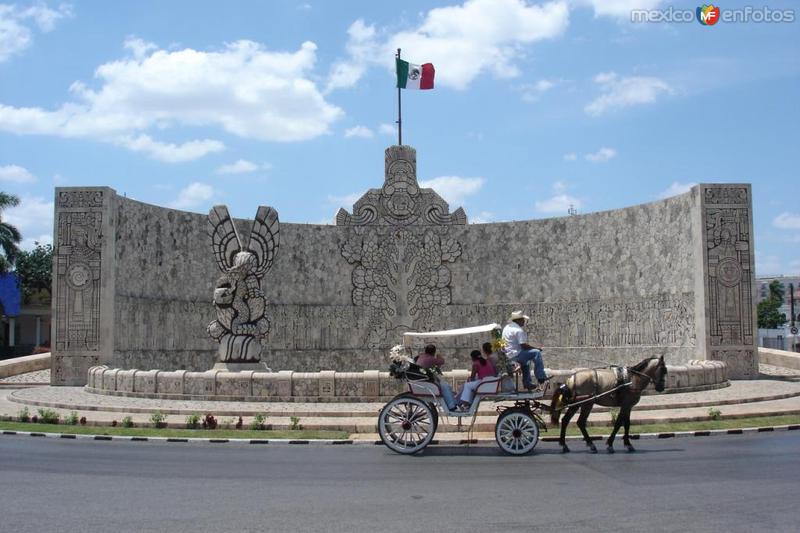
column 133, row 282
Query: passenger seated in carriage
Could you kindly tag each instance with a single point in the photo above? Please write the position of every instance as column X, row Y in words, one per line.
column 481, row 368
column 428, row 359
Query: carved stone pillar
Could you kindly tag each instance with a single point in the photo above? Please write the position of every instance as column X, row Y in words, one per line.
column 83, row 282
column 729, row 278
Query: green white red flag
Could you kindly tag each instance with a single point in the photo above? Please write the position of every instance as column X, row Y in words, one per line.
column 411, row 76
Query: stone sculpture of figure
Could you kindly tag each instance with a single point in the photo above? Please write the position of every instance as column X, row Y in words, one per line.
column 240, row 326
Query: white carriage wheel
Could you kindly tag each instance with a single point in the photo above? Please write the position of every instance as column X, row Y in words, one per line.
column 516, row 432
column 406, row 424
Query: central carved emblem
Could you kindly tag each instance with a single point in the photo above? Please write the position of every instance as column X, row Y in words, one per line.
column 241, row 326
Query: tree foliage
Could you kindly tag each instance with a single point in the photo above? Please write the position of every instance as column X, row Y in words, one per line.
column 35, row 271
column 9, row 234
column 769, row 314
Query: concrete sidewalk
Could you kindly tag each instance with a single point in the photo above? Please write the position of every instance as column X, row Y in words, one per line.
column 778, row 393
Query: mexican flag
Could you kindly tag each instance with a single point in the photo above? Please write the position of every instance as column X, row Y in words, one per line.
column 411, row 76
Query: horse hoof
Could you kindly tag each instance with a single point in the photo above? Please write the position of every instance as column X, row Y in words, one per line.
column 564, row 449
column 630, row 448
column 610, row 449
column 592, row 449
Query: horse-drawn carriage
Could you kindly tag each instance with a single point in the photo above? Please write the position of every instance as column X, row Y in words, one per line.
column 408, row 422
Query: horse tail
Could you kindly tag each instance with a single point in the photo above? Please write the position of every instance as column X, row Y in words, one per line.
column 556, row 404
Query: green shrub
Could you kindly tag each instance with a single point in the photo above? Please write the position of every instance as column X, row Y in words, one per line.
column 24, row 415
column 258, row 421
column 193, row 420
column 48, row 416
column 158, row 419
column 613, row 412
column 714, row 413
column 295, row 423
column 72, row 419
column 127, row 422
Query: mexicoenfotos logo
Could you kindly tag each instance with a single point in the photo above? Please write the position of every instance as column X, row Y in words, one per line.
column 707, row 15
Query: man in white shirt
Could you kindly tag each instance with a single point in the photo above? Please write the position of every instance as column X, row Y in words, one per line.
column 518, row 350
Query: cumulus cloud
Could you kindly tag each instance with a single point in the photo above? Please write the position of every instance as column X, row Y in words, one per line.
column 572, row 156
column 463, row 42
column 16, row 174
column 359, row 131
column 768, row 265
column 194, row 196
column 243, row 88
column 16, row 33
column 532, row 92
column 33, row 217
column 602, row 155
column 618, row 93
column 484, row 217
column 346, row 200
column 387, row 129
column 560, row 202
column 787, row 221
column 675, row 189
column 453, row 188
column 242, row 166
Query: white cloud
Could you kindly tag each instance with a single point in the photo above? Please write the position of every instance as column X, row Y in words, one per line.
column 484, row 217
column 463, row 42
column 453, row 188
column 345, row 201
column 33, row 217
column 531, row 92
column 241, row 166
column 602, row 155
column 787, row 221
column 571, row 156
column 618, row 93
column 387, row 129
column 244, row 89
column 675, row 189
column 359, row 131
column 193, row 196
column 15, row 33
column 560, row 202
column 16, row 174
column 168, row 152
column 619, row 8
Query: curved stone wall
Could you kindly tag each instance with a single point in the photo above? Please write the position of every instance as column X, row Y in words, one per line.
column 327, row 386
column 133, row 282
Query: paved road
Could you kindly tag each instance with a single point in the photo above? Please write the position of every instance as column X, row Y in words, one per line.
column 733, row 483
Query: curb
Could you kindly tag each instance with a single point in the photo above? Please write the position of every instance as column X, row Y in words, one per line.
column 335, row 442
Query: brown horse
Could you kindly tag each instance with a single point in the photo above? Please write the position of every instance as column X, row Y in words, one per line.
column 607, row 387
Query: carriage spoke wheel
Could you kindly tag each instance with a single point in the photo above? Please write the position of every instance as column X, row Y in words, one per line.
column 406, row 424
column 516, row 432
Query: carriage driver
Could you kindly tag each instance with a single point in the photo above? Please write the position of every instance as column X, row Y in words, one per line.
column 518, row 350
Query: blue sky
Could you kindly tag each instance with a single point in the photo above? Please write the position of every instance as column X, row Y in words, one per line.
column 537, row 106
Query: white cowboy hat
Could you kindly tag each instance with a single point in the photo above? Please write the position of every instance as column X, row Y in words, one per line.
column 516, row 315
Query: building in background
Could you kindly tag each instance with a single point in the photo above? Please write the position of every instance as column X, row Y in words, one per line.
column 25, row 327
column 786, row 337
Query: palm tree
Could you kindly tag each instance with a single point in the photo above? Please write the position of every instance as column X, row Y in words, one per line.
column 9, row 234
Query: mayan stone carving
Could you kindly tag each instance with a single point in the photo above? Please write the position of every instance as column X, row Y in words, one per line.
column 400, row 250
column 78, row 259
column 241, row 326
column 729, row 278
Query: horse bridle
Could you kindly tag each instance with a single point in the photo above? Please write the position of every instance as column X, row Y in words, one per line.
column 646, row 376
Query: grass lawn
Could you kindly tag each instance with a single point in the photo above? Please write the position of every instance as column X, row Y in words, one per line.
column 763, row 421
column 297, row 434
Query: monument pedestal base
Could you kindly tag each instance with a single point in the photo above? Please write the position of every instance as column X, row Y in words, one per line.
column 242, row 367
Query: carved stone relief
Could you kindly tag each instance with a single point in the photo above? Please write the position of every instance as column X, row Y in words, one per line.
column 241, row 325
column 400, row 250
column 78, row 259
column 729, row 275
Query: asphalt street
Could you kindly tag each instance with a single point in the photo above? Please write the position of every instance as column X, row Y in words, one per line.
column 725, row 483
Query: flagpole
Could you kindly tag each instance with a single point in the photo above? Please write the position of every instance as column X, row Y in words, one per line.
column 399, row 108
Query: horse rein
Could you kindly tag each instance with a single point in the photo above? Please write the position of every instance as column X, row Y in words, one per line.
column 648, row 378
